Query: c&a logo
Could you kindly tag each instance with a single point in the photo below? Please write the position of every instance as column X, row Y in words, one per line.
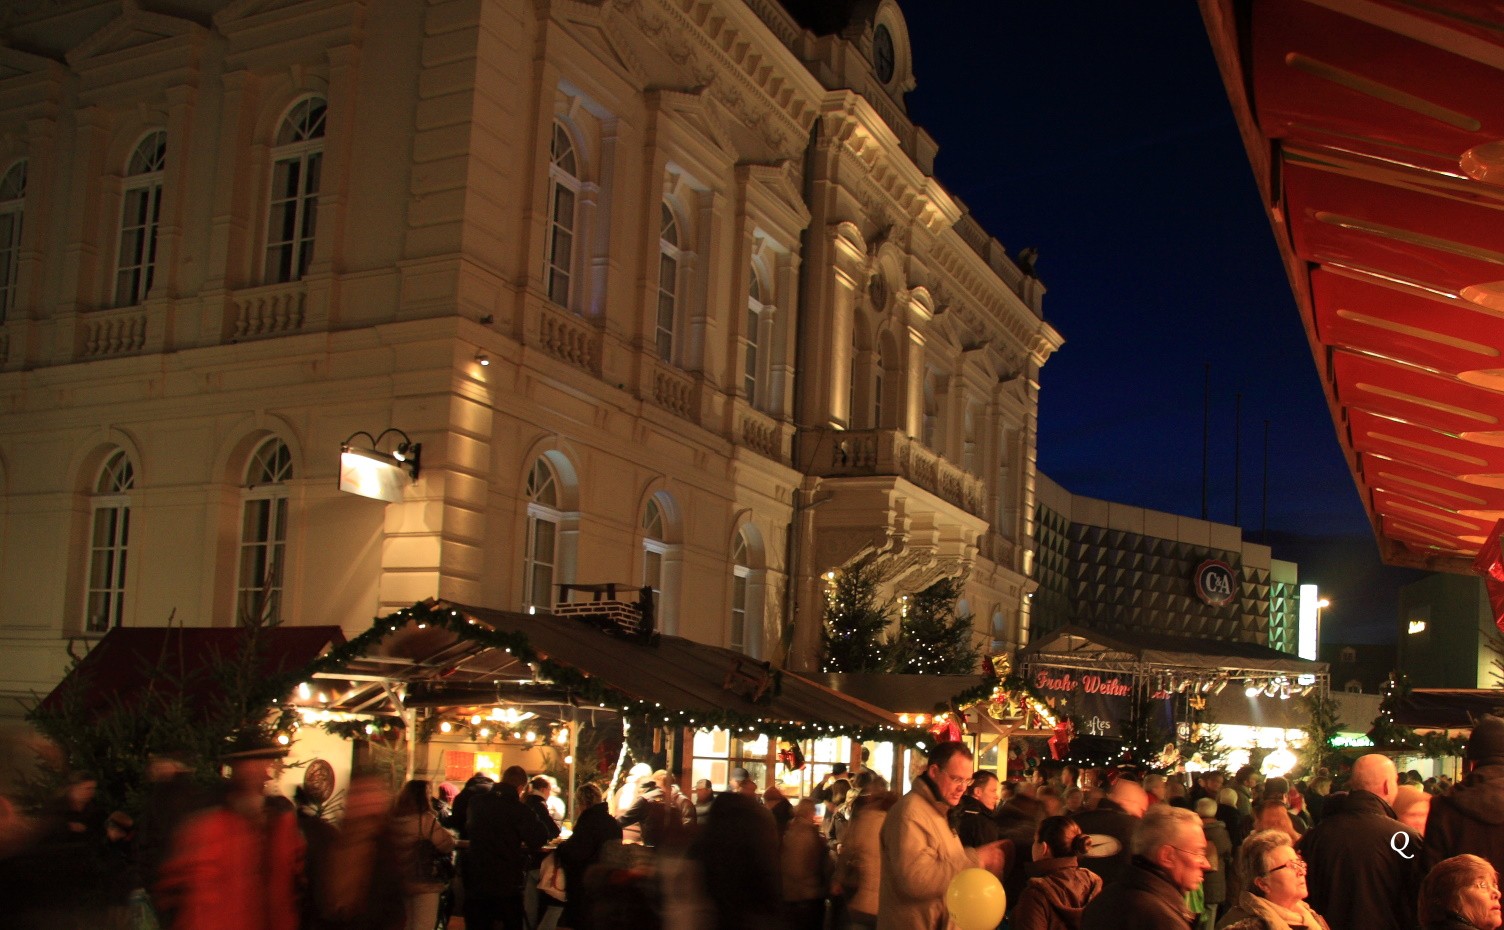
column 1215, row 582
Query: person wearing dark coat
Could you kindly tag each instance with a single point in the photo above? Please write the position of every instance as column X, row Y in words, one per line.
column 459, row 811
column 1169, row 860
column 504, row 836
column 1110, row 826
column 594, row 829
column 1471, row 818
column 1018, row 821
column 1219, row 851
column 1357, row 880
column 1059, row 888
column 973, row 817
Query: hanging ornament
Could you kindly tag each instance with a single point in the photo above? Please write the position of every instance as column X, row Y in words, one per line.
column 1061, row 739
column 790, row 755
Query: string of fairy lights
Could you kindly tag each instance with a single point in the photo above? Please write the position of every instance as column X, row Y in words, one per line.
column 587, row 692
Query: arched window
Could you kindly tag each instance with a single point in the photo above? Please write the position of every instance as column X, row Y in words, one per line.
column 109, row 542
column 754, row 339
column 741, row 581
column 654, row 547
column 668, row 283
column 140, row 208
column 998, row 631
column 12, row 204
column 563, row 191
column 263, row 534
column 1354, row 686
column 542, row 553
column 292, row 207
column 879, row 367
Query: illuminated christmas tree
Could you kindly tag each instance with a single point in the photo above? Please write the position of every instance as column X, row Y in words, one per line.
column 932, row 638
column 853, row 637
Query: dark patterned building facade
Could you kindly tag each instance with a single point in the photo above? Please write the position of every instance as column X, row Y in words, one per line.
column 1118, row 568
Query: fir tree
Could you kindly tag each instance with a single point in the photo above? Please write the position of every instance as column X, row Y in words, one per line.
column 1322, row 727
column 853, row 636
column 933, row 639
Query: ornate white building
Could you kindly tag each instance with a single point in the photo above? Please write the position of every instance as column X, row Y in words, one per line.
column 665, row 289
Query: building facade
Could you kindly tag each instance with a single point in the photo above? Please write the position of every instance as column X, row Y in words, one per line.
column 1447, row 637
column 665, row 290
column 1113, row 567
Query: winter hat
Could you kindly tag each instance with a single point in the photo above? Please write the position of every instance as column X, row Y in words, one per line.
column 1486, row 745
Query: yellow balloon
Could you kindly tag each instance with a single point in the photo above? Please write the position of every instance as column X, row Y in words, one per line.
column 976, row 900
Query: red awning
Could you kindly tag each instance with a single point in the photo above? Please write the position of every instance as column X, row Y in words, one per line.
column 129, row 660
column 1376, row 132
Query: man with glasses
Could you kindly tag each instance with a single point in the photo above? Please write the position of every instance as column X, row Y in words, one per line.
column 920, row 851
column 1169, row 860
column 1365, row 866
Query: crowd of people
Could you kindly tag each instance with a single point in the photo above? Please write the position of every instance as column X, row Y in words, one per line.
column 1075, row 848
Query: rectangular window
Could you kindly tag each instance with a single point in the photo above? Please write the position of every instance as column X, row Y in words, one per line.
column 105, row 605
column 263, row 544
column 652, row 571
column 749, row 378
column 668, row 271
column 560, row 244
column 739, row 612
column 10, row 259
column 540, row 564
column 139, row 211
column 292, row 216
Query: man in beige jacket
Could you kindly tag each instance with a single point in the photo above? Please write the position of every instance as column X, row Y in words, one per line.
column 920, row 851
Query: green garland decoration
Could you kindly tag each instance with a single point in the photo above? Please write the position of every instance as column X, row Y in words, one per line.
column 590, row 691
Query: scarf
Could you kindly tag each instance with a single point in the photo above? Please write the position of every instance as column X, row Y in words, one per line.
column 1279, row 918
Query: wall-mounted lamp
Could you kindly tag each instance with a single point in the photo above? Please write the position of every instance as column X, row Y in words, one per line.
column 368, row 471
column 483, row 358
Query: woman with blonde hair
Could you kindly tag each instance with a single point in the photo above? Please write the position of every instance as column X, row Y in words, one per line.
column 1275, row 892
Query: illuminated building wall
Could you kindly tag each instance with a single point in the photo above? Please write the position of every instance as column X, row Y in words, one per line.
column 667, row 299
column 1114, row 567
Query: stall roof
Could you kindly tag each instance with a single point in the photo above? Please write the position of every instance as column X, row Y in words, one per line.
column 903, row 694
column 1094, row 648
column 678, row 674
column 126, row 660
column 1373, row 130
column 1447, row 708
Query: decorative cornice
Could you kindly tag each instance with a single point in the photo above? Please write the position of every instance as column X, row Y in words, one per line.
column 729, row 52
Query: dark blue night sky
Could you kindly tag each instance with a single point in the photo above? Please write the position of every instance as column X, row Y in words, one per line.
column 1101, row 134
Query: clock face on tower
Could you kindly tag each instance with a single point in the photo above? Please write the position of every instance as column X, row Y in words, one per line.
column 882, row 53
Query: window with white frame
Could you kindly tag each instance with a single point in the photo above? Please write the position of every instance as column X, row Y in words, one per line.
column 754, row 338
column 140, row 209
column 741, row 583
column 292, row 204
column 653, row 549
column 12, row 204
column 109, row 542
column 542, row 552
column 263, row 534
column 668, row 283
column 563, row 192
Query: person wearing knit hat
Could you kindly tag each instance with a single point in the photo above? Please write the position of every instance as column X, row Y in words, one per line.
column 1471, row 818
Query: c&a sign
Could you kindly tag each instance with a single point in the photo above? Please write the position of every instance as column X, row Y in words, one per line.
column 1215, row 582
